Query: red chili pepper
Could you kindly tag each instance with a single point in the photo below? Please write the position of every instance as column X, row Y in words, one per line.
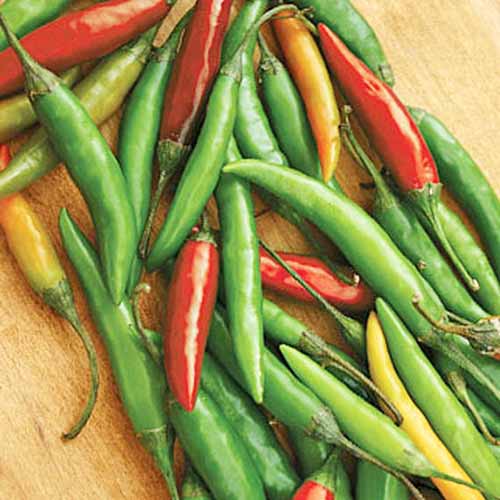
column 315, row 273
column 394, row 135
column 82, row 36
column 311, row 490
column 4, row 156
column 190, row 302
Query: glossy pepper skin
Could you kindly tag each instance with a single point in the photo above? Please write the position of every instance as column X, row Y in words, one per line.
column 463, row 177
column 310, row 453
column 30, row 243
column 373, row 483
column 92, row 166
column 312, row 270
column 82, row 36
column 102, row 92
column 190, row 303
column 193, row 487
column 141, row 382
column 446, row 415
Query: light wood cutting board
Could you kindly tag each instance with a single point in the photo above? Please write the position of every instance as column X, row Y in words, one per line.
column 446, row 58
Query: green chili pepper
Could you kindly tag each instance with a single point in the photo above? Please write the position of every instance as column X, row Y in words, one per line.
column 375, row 256
column 462, row 176
column 17, row 114
column 270, row 460
column 446, row 415
column 25, row 16
column 241, row 271
column 490, row 417
column 91, row 164
column 215, row 450
column 140, row 380
column 405, row 229
column 342, row 17
column 193, row 487
column 139, row 130
column 310, row 453
column 496, row 451
column 373, row 483
column 101, row 92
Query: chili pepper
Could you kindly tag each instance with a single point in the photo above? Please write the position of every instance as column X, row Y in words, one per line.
column 91, row 164
column 140, row 380
column 404, row 228
column 216, row 450
column 489, row 416
column 312, row 270
column 101, row 92
column 82, row 36
column 190, row 302
column 414, row 423
column 242, row 281
column 365, row 243
column 447, row 417
column 373, row 483
column 495, row 450
column 25, row 15
column 394, row 135
column 315, row 87
column 195, row 69
column 34, row 252
column 463, row 177
column 330, row 482
column 270, row 460
column 17, row 114
column 139, row 130
column 310, row 453
column 193, row 487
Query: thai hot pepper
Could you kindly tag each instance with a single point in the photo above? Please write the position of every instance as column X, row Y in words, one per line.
column 414, row 422
column 26, row 15
column 301, row 51
column 240, row 263
column 373, row 483
column 139, row 130
column 270, row 460
column 361, row 239
column 446, row 415
column 216, row 450
column 394, row 135
column 82, row 36
column 91, row 164
column 330, row 482
column 310, row 453
column 17, row 114
column 462, row 176
column 193, row 487
column 140, row 379
column 190, row 302
column 404, row 228
column 34, row 252
column 355, row 297
column 101, row 92
column 193, row 74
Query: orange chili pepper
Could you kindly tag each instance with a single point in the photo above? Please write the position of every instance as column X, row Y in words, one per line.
column 303, row 59
column 34, row 252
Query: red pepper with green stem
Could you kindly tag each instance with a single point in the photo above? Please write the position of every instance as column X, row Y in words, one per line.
column 193, row 74
column 82, row 36
column 190, row 303
column 395, row 137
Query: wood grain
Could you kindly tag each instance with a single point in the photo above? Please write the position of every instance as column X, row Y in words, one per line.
column 446, row 57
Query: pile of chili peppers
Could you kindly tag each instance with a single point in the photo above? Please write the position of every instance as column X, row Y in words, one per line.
column 419, row 306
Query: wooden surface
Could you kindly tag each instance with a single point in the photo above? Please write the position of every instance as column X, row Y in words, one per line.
column 446, row 57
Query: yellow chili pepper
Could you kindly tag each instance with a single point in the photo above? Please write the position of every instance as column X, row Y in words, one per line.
column 34, row 252
column 303, row 59
column 414, row 423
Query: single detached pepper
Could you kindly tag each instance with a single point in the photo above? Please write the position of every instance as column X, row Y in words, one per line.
column 82, row 36
column 140, row 380
column 394, row 135
column 102, row 92
column 91, row 164
column 373, row 483
column 34, row 252
column 330, row 482
column 463, row 177
column 26, row 15
column 193, row 487
column 190, row 302
column 314, row 84
column 414, row 422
